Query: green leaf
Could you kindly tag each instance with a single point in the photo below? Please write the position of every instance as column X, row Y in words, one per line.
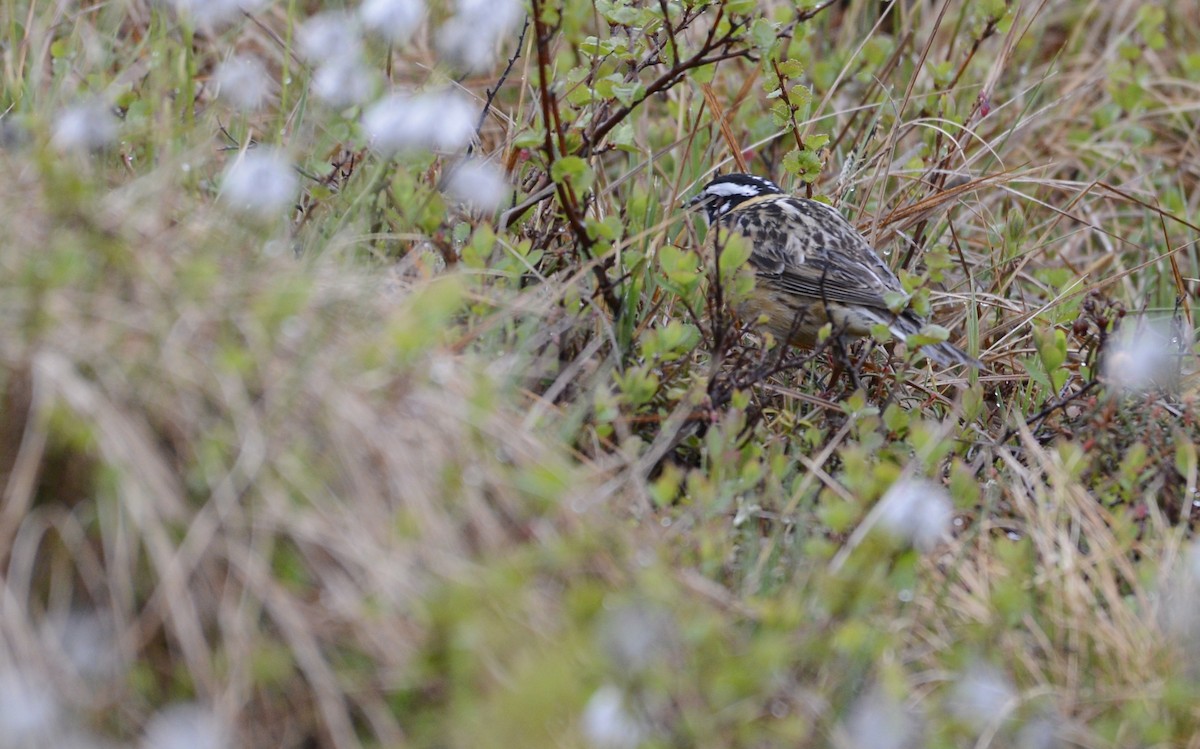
column 781, row 115
column 620, row 13
column 428, row 313
column 896, row 301
column 943, row 73
column 805, row 164
column 665, row 488
column 799, row 97
column 791, row 68
column 764, row 33
column 637, row 384
column 929, row 334
column 580, row 95
column 896, row 419
column 1185, row 455
column 608, row 229
column 622, row 137
column 681, row 267
column 671, row 341
column 629, row 93
column 1051, row 345
column 475, row 254
column 529, row 138
column 837, row 515
column 572, row 169
column 735, row 251
column 877, row 49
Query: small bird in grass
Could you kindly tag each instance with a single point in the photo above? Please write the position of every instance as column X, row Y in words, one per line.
column 813, row 267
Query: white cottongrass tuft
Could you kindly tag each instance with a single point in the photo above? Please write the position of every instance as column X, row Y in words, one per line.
column 84, row 127
column 469, row 39
column 430, row 121
column 1142, row 356
column 1043, row 732
column 88, row 641
column 73, row 737
column 917, row 512
column 1179, row 607
column 260, row 182
column 186, row 726
column 344, row 80
column 479, row 184
column 29, row 711
column 982, row 697
column 333, row 42
column 394, row 20
column 637, row 636
column 877, row 720
column 328, row 35
column 606, row 722
column 213, row 13
column 243, row 81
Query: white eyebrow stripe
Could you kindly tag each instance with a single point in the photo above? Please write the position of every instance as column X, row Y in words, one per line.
column 726, row 189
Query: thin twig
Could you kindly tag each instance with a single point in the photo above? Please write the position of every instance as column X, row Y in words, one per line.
column 552, row 121
column 491, row 93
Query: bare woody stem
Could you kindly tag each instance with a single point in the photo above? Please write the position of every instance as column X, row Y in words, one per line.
column 552, row 120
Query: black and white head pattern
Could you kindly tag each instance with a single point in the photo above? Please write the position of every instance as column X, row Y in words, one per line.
column 724, row 194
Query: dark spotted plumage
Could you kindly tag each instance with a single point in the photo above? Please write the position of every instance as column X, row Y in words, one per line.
column 813, row 267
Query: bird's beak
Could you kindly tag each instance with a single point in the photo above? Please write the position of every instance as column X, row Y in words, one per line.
column 699, row 204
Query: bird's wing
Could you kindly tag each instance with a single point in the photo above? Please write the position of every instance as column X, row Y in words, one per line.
column 806, row 248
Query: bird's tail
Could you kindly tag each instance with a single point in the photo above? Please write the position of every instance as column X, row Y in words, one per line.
column 949, row 355
column 944, row 354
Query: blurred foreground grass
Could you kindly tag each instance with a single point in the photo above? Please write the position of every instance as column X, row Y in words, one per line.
column 316, row 432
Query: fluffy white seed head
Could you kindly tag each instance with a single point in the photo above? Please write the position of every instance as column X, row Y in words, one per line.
column 260, row 182
column 186, row 726
column 243, row 81
column 1179, row 607
column 1143, row 355
column 479, row 184
column 637, row 637
column 328, row 35
column 84, row 127
column 917, row 512
column 982, row 696
column 88, row 641
column 441, row 121
column 471, row 37
column 878, row 720
column 394, row 20
column 344, row 80
column 1043, row 732
column 215, row 13
column 29, row 711
column 606, row 722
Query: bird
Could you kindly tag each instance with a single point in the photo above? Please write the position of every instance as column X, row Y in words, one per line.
column 812, row 267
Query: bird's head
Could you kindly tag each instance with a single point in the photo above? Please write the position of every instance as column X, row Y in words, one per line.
column 724, row 194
